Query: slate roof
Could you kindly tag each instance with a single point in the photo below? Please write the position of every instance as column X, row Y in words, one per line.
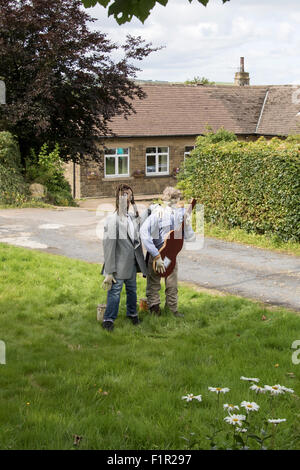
column 170, row 110
column 280, row 111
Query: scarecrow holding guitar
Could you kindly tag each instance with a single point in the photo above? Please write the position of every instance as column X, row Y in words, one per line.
column 163, row 229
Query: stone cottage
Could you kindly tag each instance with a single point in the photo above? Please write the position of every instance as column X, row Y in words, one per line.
column 147, row 147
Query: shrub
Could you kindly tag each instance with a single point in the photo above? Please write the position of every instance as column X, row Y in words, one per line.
column 13, row 189
column 9, row 151
column 47, row 168
column 221, row 135
column 293, row 138
column 251, row 185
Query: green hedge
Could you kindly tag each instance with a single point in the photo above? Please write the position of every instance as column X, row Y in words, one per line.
column 251, row 185
column 13, row 189
column 10, row 156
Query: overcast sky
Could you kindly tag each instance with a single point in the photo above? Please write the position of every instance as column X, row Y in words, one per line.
column 209, row 41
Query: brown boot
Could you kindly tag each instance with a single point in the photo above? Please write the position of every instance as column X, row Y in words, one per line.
column 155, row 309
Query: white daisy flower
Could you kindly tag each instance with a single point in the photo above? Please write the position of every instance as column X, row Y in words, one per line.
column 258, row 389
column 229, row 407
column 188, row 397
column 242, row 430
column 276, row 421
column 250, row 406
column 274, row 389
column 218, row 389
column 288, row 390
column 242, row 417
column 235, row 420
column 249, row 379
column 191, row 397
column 198, row 397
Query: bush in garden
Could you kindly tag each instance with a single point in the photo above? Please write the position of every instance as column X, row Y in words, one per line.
column 47, row 168
column 221, row 135
column 251, row 185
column 9, row 151
column 13, row 189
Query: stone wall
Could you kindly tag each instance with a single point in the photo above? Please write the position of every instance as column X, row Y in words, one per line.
column 69, row 175
column 94, row 184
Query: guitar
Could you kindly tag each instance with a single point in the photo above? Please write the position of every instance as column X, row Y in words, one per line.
column 173, row 244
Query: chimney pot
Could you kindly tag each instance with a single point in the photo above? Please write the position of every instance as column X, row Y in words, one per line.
column 242, row 64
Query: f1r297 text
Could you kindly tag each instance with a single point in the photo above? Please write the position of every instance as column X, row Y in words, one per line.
column 166, row 459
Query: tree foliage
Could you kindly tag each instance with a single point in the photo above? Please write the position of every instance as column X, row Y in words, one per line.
column 199, row 81
column 124, row 10
column 62, row 83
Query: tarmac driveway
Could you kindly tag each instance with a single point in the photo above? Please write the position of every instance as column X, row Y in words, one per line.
column 224, row 266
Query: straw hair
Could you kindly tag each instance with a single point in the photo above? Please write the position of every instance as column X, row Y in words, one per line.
column 170, row 193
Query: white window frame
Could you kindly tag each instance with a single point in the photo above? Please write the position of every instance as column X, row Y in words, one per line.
column 187, row 154
column 158, row 173
column 116, row 156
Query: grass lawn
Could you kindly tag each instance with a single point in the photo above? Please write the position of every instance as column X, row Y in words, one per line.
column 64, row 375
column 39, row 204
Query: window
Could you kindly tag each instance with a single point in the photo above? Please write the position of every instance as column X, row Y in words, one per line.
column 187, row 150
column 116, row 162
column 157, row 161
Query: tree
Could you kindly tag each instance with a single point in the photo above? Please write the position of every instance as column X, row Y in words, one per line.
column 124, row 10
column 62, row 84
column 199, row 81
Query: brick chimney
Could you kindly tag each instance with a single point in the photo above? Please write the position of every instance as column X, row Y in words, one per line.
column 242, row 78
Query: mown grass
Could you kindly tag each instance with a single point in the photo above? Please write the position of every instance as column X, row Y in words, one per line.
column 33, row 203
column 66, row 376
column 29, row 204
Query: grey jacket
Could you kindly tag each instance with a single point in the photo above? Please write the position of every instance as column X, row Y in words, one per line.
column 121, row 253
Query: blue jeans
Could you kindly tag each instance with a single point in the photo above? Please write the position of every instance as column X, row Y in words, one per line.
column 113, row 298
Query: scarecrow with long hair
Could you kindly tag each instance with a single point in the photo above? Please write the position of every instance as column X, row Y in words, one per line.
column 123, row 257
